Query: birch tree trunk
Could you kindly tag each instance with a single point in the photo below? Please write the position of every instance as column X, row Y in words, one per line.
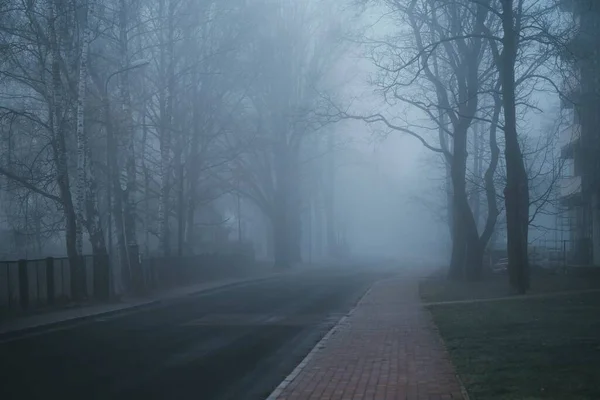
column 81, row 141
column 60, row 149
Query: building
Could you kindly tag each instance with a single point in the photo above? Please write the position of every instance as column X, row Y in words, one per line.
column 579, row 192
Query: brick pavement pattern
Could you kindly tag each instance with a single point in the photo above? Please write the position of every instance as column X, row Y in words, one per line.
column 387, row 348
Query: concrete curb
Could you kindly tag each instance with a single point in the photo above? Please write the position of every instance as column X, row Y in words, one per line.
column 436, row 330
column 510, row 298
column 21, row 333
column 320, row 345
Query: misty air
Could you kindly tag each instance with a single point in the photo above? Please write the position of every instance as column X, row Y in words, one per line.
column 300, row 199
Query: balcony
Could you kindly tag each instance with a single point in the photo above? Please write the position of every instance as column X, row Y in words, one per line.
column 579, row 6
column 567, row 5
column 569, row 141
column 569, row 91
column 570, row 186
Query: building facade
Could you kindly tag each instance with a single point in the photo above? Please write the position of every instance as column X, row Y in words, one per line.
column 579, row 214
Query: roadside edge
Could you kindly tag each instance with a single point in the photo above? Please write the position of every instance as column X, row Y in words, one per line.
column 20, row 333
column 320, row 345
column 440, row 338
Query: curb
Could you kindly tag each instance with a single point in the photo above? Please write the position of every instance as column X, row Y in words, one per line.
column 510, row 298
column 21, row 333
column 320, row 345
column 51, row 326
column 463, row 389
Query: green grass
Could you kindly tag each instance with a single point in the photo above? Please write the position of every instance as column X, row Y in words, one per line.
column 537, row 348
column 440, row 289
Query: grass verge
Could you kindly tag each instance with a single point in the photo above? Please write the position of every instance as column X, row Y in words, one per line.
column 438, row 288
column 536, row 348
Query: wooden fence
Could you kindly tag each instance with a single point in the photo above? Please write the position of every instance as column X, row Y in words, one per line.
column 28, row 284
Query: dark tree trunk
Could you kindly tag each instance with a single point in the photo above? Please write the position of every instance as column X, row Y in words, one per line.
column 295, row 237
column 490, row 188
column 449, row 200
column 120, row 228
column 180, row 209
column 281, row 239
column 281, row 220
column 459, row 248
column 459, row 198
column 517, row 191
column 75, row 261
column 329, row 197
column 475, row 194
column 474, row 257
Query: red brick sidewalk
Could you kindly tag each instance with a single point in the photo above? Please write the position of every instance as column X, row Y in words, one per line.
column 387, row 348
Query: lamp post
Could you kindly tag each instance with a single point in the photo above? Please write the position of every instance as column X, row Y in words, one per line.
column 239, row 217
column 110, row 151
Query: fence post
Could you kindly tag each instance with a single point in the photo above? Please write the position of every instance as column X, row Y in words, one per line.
column 135, row 268
column 23, row 283
column 50, row 280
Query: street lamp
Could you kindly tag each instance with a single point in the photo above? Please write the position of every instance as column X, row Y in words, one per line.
column 134, row 65
column 110, row 141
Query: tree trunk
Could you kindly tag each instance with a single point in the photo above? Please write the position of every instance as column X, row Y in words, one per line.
column 459, row 198
column 459, row 246
column 283, row 229
column 180, row 205
column 474, row 257
column 60, row 154
column 129, row 200
column 116, row 205
column 166, row 112
column 475, row 196
column 146, row 174
column 449, row 199
column 120, row 224
column 295, row 237
column 280, row 235
column 93, row 223
column 330, row 197
column 81, row 142
column 317, row 226
column 490, row 187
column 516, row 193
column 193, row 168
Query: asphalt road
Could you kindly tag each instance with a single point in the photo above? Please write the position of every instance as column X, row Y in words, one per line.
column 233, row 344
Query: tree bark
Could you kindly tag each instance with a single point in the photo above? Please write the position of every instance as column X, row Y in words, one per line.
column 329, row 197
column 280, row 232
column 517, row 191
column 81, row 141
column 490, row 187
column 286, row 224
column 166, row 112
column 129, row 194
column 116, row 203
column 60, row 153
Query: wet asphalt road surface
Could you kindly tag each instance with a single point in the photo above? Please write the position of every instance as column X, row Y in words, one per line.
column 232, row 344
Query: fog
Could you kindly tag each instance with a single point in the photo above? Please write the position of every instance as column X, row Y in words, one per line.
column 300, row 131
